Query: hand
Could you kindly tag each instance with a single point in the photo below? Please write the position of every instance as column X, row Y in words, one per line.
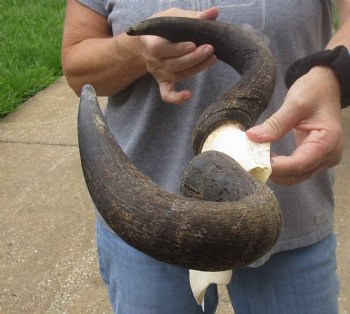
column 312, row 109
column 171, row 62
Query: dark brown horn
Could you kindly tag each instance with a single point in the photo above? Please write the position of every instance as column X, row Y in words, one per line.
column 248, row 55
column 181, row 230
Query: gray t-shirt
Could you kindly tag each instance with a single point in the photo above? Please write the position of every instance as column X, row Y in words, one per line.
column 157, row 136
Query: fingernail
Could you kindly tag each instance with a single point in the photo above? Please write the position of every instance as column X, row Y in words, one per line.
column 213, row 59
column 187, row 96
column 207, row 49
column 190, row 47
column 258, row 130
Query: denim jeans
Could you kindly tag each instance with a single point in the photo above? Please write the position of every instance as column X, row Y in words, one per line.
column 301, row 281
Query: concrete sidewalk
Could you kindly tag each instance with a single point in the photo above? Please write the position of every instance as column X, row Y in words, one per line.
column 47, row 253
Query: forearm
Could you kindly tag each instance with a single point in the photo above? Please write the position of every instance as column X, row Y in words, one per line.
column 342, row 35
column 340, row 38
column 109, row 64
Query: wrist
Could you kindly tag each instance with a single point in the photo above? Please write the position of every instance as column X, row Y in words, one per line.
column 132, row 54
column 336, row 60
column 328, row 81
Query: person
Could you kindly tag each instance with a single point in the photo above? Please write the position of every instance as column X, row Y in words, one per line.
column 147, row 78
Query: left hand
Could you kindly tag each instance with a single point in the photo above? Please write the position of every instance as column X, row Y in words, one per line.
column 312, row 109
column 170, row 62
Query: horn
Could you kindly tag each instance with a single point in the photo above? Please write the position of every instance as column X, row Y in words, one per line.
column 240, row 49
column 177, row 229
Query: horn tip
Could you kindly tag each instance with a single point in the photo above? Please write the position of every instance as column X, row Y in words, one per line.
column 87, row 88
column 88, row 93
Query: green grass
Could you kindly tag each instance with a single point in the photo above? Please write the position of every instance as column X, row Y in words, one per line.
column 30, row 41
column 335, row 17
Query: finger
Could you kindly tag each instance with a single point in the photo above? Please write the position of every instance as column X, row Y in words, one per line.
column 190, row 60
column 196, row 69
column 305, row 158
column 158, row 47
column 277, row 125
column 167, row 87
column 210, row 14
column 319, row 147
column 292, row 180
column 274, row 127
column 181, row 68
column 293, row 165
column 295, row 179
column 170, row 95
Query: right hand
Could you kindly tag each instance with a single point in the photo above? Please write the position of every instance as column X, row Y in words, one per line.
column 171, row 62
column 312, row 110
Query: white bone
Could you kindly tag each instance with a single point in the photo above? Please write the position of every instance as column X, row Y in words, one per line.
column 254, row 158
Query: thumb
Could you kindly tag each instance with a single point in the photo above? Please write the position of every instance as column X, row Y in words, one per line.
column 275, row 127
column 209, row 14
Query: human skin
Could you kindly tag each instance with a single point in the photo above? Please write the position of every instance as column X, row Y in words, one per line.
column 128, row 58
column 311, row 108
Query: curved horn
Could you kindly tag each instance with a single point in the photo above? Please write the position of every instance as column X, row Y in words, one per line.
column 248, row 55
column 188, row 232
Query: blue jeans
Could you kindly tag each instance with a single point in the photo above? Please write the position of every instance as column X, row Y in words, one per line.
column 292, row 282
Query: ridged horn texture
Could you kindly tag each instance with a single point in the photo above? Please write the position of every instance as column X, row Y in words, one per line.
column 240, row 49
column 180, row 230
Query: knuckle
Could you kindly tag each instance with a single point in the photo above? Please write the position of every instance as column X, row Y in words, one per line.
column 300, row 169
column 171, row 64
column 152, row 45
column 159, row 74
column 165, row 97
column 148, row 60
column 332, row 140
column 152, row 68
column 336, row 161
column 299, row 101
column 164, row 76
column 339, row 133
column 336, row 156
column 153, row 48
column 174, row 11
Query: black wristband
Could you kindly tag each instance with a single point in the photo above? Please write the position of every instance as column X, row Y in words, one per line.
column 337, row 59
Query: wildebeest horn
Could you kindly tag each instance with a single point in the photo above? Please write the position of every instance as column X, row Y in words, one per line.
column 179, row 230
